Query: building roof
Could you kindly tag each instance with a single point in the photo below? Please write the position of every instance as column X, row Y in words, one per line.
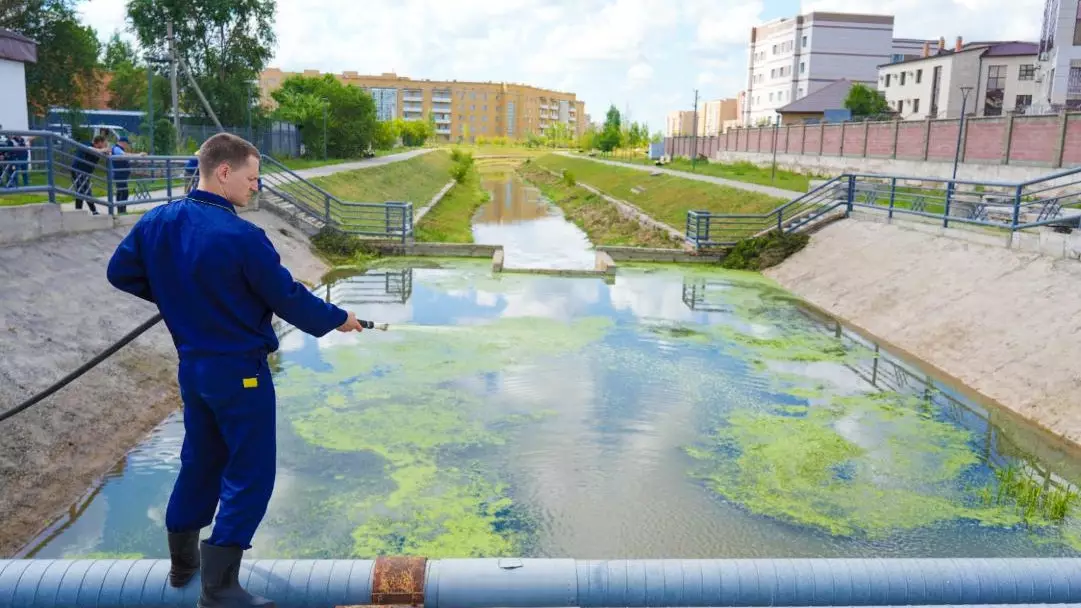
column 1008, row 49
column 16, row 47
column 995, row 48
column 830, row 97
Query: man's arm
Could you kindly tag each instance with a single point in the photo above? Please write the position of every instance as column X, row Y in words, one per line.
column 288, row 298
column 126, row 271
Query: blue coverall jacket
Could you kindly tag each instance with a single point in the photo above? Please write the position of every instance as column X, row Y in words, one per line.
column 217, row 280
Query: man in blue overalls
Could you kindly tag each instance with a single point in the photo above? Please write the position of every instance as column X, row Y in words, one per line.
column 217, row 280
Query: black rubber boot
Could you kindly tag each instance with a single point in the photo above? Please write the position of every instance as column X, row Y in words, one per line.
column 184, row 553
column 221, row 589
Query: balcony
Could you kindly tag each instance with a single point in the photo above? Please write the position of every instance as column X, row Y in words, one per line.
column 438, row 98
column 442, row 120
column 442, row 130
column 412, row 107
column 413, row 96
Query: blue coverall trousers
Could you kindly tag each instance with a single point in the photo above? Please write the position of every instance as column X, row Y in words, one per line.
column 229, row 450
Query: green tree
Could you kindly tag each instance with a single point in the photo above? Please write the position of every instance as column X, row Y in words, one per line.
column 415, row 132
column 226, row 43
column 588, row 139
column 560, row 135
column 68, row 51
column 657, row 138
column 862, row 100
column 610, row 136
column 386, row 135
column 350, row 114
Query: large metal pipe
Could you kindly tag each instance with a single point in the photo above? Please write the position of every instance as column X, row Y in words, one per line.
column 527, row 583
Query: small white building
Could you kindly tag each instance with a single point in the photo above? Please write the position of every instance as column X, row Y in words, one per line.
column 1001, row 77
column 15, row 51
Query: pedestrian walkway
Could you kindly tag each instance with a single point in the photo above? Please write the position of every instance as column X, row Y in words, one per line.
column 310, row 173
column 768, row 190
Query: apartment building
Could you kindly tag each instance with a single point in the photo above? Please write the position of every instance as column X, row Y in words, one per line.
column 792, row 57
column 462, row 111
column 1059, row 55
column 1000, row 77
column 679, row 122
column 715, row 114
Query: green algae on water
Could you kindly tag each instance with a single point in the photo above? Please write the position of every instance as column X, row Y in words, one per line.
column 867, row 465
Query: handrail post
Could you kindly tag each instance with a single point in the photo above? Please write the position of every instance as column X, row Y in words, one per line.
column 51, row 170
column 851, row 194
column 780, row 215
column 893, row 196
column 386, row 219
column 169, row 179
column 1016, row 208
column 108, row 183
column 949, row 196
column 326, row 209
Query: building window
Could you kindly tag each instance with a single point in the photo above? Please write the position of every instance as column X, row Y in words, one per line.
column 775, row 49
column 903, row 78
column 773, row 73
column 897, row 58
column 900, row 106
column 771, row 96
column 915, row 106
column 1021, row 103
column 996, row 87
column 1027, row 72
column 799, row 93
column 802, row 67
column 804, row 42
column 888, row 80
column 919, row 76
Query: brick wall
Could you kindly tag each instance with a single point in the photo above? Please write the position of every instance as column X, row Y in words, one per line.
column 1052, row 140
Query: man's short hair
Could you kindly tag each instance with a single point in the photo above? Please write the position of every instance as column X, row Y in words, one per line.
column 98, row 139
column 224, row 148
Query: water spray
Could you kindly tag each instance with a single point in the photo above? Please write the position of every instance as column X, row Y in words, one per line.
column 372, row 325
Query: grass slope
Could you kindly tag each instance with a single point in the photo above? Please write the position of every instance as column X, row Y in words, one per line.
column 451, row 220
column 600, row 219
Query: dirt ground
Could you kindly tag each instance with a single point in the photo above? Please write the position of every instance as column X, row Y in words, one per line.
column 57, row 311
column 1005, row 323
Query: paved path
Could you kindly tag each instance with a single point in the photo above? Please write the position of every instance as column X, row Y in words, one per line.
column 768, row 190
column 309, row 173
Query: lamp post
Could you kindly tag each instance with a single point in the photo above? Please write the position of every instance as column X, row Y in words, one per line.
column 325, row 104
column 251, row 84
column 150, row 60
column 961, row 127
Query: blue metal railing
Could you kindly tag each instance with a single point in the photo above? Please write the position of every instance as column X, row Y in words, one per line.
column 1052, row 200
column 53, row 168
column 392, row 219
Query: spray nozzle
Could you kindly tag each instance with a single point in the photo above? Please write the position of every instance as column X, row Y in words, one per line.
column 371, row 325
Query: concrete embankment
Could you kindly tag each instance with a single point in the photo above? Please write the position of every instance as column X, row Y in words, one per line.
column 57, row 311
column 1004, row 322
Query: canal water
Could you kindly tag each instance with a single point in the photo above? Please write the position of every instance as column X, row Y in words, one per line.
column 672, row 412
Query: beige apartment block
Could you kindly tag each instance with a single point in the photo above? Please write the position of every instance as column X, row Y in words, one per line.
column 463, row 111
column 715, row 114
column 679, row 122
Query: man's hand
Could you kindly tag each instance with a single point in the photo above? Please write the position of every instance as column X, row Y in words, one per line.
column 351, row 324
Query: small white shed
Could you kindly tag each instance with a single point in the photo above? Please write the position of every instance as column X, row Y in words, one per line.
column 16, row 51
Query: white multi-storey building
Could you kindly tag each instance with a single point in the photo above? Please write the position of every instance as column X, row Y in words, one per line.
column 1000, row 78
column 793, row 57
column 1059, row 68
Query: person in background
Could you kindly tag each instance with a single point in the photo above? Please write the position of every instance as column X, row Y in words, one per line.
column 23, row 158
column 217, row 281
column 121, row 172
column 82, row 168
column 191, row 173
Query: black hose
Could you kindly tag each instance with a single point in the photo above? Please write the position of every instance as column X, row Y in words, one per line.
column 135, row 333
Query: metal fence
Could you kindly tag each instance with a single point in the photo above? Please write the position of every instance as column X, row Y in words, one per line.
column 1053, row 200
column 392, row 220
column 54, row 167
column 280, row 139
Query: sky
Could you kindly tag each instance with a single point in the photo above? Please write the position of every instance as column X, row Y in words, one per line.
column 646, row 57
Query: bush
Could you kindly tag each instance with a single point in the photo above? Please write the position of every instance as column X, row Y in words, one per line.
column 463, row 164
column 336, row 243
column 568, row 178
column 764, row 251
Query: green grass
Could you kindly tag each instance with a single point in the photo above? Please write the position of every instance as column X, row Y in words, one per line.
column 451, row 220
column 741, row 172
column 297, row 164
column 598, row 218
column 482, row 150
column 664, row 197
column 415, row 180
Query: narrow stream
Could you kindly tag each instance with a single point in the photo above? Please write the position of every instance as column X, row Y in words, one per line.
column 534, row 233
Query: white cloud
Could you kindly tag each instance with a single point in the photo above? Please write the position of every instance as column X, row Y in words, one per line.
column 648, row 54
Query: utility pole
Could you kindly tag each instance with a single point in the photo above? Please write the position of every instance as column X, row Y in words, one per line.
column 150, row 104
column 176, row 96
column 694, row 130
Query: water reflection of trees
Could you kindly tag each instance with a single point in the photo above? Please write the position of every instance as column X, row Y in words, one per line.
column 888, row 373
column 371, row 287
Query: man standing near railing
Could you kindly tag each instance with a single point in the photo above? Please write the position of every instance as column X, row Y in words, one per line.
column 217, row 281
column 82, row 168
column 121, row 171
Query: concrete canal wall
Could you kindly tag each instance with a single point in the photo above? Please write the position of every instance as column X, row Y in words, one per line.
column 1004, row 321
column 58, row 311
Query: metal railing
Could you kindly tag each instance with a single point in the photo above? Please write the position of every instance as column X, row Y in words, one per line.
column 52, row 168
column 1053, row 200
column 393, row 219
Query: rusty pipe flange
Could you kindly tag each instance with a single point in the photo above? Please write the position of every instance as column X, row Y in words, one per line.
column 398, row 581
